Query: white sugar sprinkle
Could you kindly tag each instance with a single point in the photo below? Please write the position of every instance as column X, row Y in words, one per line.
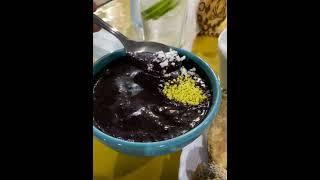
column 164, row 58
column 150, row 66
column 183, row 71
column 164, row 63
column 167, row 75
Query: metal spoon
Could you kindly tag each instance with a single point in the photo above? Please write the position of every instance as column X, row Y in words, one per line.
column 131, row 46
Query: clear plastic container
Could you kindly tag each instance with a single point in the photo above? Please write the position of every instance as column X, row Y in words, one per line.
column 163, row 20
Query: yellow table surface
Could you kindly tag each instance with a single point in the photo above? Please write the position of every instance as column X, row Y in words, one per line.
column 111, row 165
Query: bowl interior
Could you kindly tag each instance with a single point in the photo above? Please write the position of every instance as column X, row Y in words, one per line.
column 211, row 78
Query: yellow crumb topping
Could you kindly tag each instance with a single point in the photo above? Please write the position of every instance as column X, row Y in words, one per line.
column 184, row 90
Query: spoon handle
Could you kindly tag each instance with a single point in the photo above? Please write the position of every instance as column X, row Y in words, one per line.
column 98, row 21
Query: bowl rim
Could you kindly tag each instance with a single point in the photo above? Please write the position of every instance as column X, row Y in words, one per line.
column 212, row 112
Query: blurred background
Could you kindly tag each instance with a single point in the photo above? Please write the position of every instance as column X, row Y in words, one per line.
column 193, row 25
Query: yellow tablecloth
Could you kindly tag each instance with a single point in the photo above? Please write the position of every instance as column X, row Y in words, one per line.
column 111, row 165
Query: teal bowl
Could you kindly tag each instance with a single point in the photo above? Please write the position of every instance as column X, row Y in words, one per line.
column 166, row 146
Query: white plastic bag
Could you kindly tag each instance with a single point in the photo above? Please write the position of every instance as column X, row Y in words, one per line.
column 192, row 155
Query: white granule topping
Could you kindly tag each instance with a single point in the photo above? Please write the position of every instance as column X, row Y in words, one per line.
column 167, row 75
column 190, row 72
column 160, row 54
column 164, row 58
column 182, row 58
column 164, row 63
column 183, row 71
column 156, row 60
column 150, row 66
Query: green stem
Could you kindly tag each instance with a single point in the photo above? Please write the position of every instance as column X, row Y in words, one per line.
column 159, row 9
column 167, row 9
column 151, row 8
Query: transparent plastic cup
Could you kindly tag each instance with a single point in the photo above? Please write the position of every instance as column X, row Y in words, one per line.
column 164, row 23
